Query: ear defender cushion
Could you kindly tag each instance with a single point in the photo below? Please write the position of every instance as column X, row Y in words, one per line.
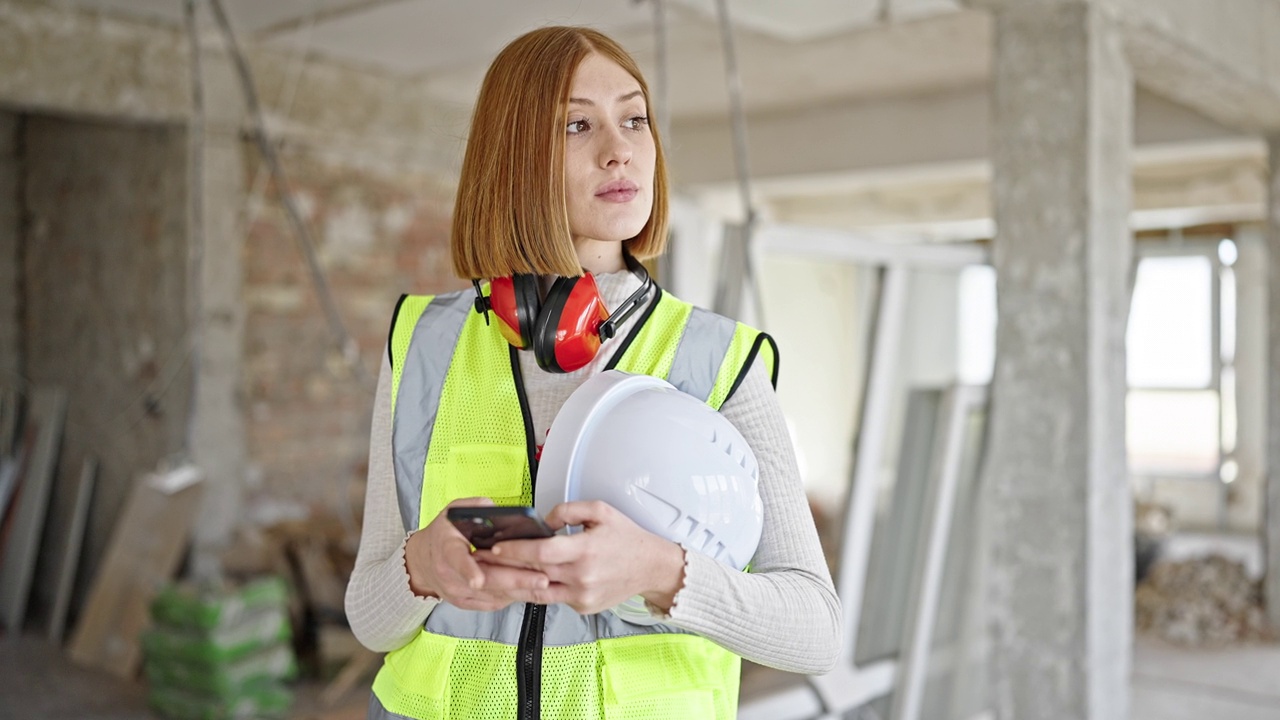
column 544, row 335
column 528, row 307
column 568, row 335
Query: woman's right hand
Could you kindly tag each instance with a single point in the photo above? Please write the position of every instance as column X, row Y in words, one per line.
column 441, row 565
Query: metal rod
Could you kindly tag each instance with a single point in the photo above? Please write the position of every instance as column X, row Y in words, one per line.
column 195, row 213
column 738, row 119
column 662, row 86
column 346, row 343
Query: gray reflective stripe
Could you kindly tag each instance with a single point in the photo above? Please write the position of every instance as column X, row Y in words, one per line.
column 421, row 380
column 377, row 712
column 703, row 346
column 563, row 625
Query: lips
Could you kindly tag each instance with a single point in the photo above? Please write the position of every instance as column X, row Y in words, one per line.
column 618, row 191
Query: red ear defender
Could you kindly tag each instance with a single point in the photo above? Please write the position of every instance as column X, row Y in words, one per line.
column 564, row 331
column 567, row 335
column 515, row 301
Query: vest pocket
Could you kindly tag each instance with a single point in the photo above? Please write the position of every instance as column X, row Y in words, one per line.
column 414, row 680
column 660, row 676
column 478, row 470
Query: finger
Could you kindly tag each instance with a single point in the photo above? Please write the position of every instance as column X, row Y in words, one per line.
column 539, row 553
column 578, row 512
column 456, row 552
column 470, row 502
column 549, row 595
column 503, row 580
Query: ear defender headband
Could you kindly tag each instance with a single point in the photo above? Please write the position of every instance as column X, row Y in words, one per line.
column 566, row 329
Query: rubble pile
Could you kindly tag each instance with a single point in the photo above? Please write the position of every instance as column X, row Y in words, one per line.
column 1207, row 601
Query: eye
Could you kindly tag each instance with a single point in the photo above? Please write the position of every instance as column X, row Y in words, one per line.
column 639, row 122
column 577, row 126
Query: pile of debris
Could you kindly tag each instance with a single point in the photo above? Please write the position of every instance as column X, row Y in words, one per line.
column 1206, row 601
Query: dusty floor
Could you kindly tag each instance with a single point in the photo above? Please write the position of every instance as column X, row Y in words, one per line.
column 1169, row 683
column 37, row 682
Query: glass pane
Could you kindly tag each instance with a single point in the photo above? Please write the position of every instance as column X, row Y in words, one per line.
column 1170, row 324
column 977, row 324
column 899, row 535
column 819, row 313
column 1173, row 433
column 956, row 683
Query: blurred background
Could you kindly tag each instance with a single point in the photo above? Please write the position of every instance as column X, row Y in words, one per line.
column 1015, row 255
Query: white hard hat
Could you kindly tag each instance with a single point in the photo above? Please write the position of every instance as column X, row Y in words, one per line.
column 666, row 460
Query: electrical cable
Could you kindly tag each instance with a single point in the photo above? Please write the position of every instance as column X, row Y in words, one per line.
column 663, row 84
column 195, row 216
column 739, row 126
column 346, row 343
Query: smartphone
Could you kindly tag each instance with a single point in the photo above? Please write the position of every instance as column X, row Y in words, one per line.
column 485, row 526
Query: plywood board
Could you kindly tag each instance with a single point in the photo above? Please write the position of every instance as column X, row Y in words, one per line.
column 71, row 550
column 48, row 411
column 9, row 414
column 146, row 548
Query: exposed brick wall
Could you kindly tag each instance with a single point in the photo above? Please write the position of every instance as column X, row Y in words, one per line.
column 378, row 235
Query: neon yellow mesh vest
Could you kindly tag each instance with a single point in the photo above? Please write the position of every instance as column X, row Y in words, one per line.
column 461, row 427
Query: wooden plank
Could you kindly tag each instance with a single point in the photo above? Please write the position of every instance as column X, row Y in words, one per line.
column 48, row 411
column 71, row 551
column 147, row 545
column 360, row 666
column 9, row 413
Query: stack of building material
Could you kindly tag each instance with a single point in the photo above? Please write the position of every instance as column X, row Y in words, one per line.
column 1204, row 601
column 220, row 655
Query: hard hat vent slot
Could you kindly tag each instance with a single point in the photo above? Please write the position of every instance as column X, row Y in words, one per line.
column 666, row 514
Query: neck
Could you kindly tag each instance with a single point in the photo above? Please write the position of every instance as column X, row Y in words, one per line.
column 598, row 256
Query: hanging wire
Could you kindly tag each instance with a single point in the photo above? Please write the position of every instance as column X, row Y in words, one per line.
column 739, row 126
column 284, row 107
column 195, row 212
column 350, row 349
column 663, row 84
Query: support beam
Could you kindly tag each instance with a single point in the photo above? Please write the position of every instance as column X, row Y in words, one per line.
column 1271, row 511
column 946, row 128
column 1060, row 509
column 216, row 433
column 67, row 61
column 1222, row 59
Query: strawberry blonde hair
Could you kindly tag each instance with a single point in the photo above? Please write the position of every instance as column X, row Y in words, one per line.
column 510, row 215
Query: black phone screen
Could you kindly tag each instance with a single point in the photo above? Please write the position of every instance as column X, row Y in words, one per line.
column 485, row 526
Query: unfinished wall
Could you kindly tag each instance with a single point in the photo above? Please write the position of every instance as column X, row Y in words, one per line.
column 379, row 234
column 10, row 219
column 105, row 308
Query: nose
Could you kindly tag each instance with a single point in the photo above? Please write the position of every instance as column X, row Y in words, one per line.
column 615, row 150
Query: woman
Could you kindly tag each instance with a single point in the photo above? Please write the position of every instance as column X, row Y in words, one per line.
column 564, row 174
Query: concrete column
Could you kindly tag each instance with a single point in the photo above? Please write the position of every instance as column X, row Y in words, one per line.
column 1271, row 512
column 217, row 431
column 10, row 271
column 1060, row 506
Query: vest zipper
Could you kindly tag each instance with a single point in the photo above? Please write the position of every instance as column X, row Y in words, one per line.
column 529, row 648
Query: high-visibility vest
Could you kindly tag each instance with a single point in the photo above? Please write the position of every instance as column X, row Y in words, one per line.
column 461, row 428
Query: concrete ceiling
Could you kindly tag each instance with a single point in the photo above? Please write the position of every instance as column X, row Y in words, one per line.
column 792, row 54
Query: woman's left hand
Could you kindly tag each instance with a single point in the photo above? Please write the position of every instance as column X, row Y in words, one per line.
column 611, row 560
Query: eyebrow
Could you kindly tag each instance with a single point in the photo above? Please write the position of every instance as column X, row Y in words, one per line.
column 623, row 98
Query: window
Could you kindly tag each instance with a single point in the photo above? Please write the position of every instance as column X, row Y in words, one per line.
column 1181, row 344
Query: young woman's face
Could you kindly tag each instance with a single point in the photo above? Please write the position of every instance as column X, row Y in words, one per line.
column 609, row 156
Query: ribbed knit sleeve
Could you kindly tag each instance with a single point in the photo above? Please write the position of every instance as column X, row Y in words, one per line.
column 784, row 613
column 383, row 612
